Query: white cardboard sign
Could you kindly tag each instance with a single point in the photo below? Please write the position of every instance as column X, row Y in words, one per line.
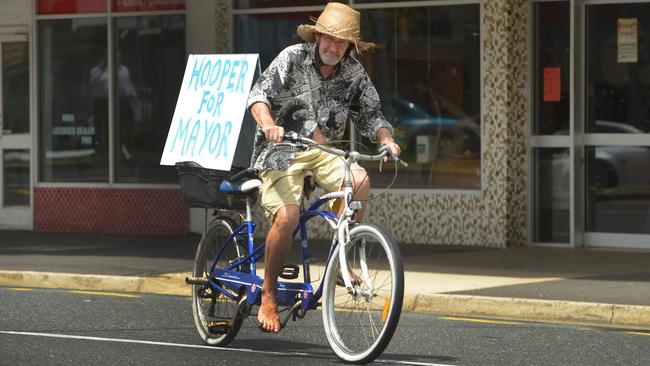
column 210, row 109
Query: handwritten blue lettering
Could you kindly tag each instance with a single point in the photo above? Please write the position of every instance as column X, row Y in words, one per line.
column 181, row 133
column 214, row 73
column 233, row 73
column 192, row 138
column 196, row 73
column 224, row 73
column 242, row 76
column 224, row 139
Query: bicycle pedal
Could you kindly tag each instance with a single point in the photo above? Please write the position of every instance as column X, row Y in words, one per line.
column 290, row 272
column 219, row 327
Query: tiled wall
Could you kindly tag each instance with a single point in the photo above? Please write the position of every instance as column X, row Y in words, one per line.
column 110, row 210
column 496, row 215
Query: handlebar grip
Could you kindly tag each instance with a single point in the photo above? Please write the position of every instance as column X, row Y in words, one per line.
column 291, row 136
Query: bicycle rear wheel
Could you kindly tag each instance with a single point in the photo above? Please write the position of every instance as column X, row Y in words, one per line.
column 211, row 306
column 360, row 325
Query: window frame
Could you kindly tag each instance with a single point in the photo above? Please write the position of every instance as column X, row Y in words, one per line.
column 110, row 16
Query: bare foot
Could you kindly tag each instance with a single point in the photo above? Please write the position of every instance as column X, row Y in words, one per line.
column 267, row 315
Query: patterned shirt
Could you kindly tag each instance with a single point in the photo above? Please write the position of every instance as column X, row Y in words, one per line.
column 300, row 100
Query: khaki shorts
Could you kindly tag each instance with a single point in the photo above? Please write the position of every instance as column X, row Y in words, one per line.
column 284, row 187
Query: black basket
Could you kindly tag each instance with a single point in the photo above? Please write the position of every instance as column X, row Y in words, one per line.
column 200, row 187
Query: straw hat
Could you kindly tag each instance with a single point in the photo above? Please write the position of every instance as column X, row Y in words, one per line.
column 339, row 21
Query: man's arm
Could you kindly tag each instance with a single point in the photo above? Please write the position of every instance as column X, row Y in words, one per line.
column 262, row 115
column 385, row 137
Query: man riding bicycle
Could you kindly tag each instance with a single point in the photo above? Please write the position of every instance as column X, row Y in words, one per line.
column 311, row 89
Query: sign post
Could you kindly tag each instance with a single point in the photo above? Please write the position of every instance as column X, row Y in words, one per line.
column 210, row 109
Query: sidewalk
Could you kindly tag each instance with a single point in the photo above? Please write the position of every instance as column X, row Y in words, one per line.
column 599, row 287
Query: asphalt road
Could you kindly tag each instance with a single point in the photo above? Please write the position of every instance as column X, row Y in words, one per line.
column 59, row 327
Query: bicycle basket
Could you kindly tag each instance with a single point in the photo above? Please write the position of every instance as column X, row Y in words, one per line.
column 200, row 187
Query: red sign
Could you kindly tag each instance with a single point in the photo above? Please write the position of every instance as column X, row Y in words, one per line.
column 552, row 84
column 139, row 5
column 71, row 6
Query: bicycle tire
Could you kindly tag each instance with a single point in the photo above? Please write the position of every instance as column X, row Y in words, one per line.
column 202, row 296
column 347, row 317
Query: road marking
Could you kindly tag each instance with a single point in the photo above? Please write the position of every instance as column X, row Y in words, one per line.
column 639, row 333
column 245, row 350
column 472, row 320
column 103, row 293
column 19, row 289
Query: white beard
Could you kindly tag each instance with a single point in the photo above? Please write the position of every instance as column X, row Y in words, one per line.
column 329, row 60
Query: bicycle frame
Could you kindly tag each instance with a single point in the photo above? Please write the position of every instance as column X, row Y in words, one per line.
column 231, row 280
column 290, row 293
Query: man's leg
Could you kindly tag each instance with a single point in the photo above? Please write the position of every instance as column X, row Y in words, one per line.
column 278, row 244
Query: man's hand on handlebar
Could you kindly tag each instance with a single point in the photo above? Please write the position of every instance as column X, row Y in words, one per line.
column 274, row 133
column 393, row 149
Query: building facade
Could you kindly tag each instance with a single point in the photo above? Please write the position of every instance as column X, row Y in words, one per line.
column 523, row 122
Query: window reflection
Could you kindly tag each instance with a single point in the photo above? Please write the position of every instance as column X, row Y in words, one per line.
column 552, row 195
column 15, row 182
column 73, row 121
column 618, row 195
column 268, row 34
column 15, row 87
column 427, row 73
column 618, row 90
column 149, row 52
column 552, row 60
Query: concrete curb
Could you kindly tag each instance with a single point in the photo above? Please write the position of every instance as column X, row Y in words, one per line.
column 627, row 316
column 614, row 315
column 168, row 284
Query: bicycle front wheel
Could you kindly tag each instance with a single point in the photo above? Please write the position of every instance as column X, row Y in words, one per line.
column 359, row 324
column 210, row 305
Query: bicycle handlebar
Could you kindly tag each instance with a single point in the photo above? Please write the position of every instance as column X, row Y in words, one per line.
column 383, row 151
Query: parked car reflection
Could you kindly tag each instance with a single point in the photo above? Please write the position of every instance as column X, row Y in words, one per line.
column 453, row 133
column 613, row 166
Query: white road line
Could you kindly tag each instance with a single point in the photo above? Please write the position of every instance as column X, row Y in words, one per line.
column 137, row 341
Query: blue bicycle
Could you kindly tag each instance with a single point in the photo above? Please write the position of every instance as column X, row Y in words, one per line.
column 361, row 293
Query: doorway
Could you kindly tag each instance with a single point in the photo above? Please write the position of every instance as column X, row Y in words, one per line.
column 15, row 134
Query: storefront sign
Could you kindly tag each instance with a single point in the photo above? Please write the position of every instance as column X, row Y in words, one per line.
column 210, row 109
column 71, row 6
column 628, row 36
column 552, row 84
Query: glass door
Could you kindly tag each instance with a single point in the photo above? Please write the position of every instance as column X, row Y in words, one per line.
column 551, row 149
column 617, row 124
column 15, row 137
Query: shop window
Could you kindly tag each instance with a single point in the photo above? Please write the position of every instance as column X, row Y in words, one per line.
column 618, row 72
column 149, row 57
column 552, row 71
column 71, row 6
column 427, row 72
column 73, row 101
column 268, row 34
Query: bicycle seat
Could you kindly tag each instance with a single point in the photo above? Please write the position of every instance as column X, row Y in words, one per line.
column 242, row 186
